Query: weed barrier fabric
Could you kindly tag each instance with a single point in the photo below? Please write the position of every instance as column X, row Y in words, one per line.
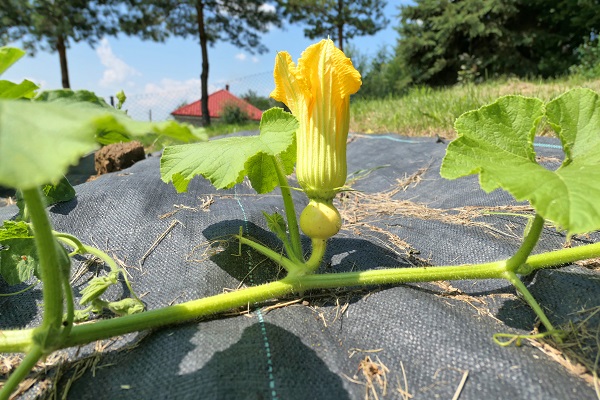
column 429, row 340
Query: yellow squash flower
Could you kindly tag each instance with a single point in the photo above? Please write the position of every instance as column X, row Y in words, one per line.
column 317, row 91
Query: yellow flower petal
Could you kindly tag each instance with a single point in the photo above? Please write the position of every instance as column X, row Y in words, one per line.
column 290, row 87
column 329, row 70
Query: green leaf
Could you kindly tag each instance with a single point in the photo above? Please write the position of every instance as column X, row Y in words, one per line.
column 15, row 230
column 126, row 306
column 496, row 142
column 18, row 261
column 226, row 161
column 57, row 193
column 8, row 56
column 69, row 97
column 18, row 257
column 10, row 90
column 40, row 140
column 97, row 286
column 121, row 99
column 51, row 194
column 277, row 225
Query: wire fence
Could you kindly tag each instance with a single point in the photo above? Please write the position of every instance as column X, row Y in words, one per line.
column 157, row 103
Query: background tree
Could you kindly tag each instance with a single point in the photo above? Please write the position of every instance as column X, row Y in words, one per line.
column 52, row 25
column 237, row 22
column 339, row 19
column 439, row 38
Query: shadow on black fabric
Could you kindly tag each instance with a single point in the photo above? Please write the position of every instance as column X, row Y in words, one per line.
column 64, row 208
column 236, row 264
column 20, row 307
column 249, row 368
column 343, row 254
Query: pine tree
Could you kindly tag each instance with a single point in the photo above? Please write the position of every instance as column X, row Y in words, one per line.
column 441, row 40
column 341, row 20
column 52, row 25
column 237, row 22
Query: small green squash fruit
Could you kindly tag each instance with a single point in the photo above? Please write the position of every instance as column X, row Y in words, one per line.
column 320, row 220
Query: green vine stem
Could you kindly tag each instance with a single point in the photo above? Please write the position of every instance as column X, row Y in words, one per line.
column 21, row 372
column 295, row 253
column 70, row 302
column 81, row 248
column 531, row 237
column 528, row 297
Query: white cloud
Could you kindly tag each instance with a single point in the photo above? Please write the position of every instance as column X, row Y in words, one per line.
column 240, row 56
column 268, row 8
column 172, row 85
column 255, row 59
column 117, row 71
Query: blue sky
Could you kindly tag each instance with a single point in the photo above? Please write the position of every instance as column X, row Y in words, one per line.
column 147, row 68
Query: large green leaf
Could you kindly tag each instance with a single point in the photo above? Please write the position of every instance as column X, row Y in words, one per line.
column 226, row 161
column 38, row 141
column 8, row 56
column 496, row 142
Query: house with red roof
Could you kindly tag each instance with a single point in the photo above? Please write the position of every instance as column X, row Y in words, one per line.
column 217, row 103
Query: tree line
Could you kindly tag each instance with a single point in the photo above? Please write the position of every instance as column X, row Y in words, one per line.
column 440, row 42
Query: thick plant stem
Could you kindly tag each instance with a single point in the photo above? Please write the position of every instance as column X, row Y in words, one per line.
column 16, row 341
column 529, row 241
column 290, row 212
column 22, row 340
column 563, row 256
column 50, row 270
column 176, row 314
column 21, row 372
column 518, row 263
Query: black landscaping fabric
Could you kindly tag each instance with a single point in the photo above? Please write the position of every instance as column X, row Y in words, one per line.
column 429, row 336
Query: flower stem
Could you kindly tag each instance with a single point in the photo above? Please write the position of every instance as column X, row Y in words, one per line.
column 295, row 253
column 316, row 257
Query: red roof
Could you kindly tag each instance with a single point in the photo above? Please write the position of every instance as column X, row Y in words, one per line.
column 216, row 104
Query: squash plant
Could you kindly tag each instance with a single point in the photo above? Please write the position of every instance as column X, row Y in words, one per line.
column 495, row 142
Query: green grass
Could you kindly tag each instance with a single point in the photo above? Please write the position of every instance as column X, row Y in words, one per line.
column 430, row 112
column 220, row 128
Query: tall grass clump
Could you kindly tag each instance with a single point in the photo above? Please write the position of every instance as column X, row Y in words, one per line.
column 425, row 111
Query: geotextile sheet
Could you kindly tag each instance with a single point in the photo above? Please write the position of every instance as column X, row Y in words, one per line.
column 418, row 341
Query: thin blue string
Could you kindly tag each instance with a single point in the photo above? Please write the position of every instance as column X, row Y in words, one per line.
column 547, row 145
column 397, row 139
column 261, row 321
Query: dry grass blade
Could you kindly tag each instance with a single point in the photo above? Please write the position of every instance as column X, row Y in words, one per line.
column 579, row 351
column 372, row 374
